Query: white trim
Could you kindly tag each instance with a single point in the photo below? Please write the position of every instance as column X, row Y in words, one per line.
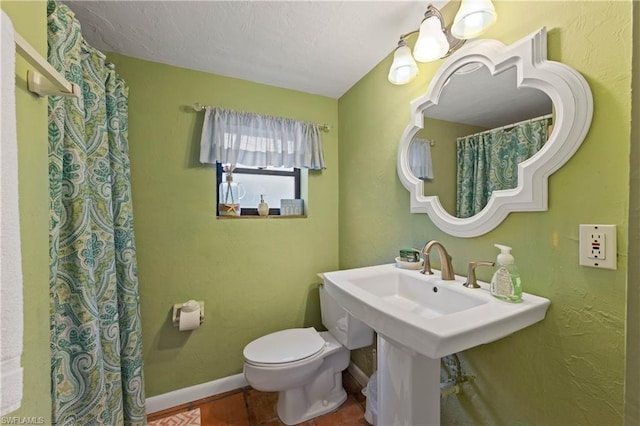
column 573, row 102
column 358, row 374
column 215, row 387
column 193, row 393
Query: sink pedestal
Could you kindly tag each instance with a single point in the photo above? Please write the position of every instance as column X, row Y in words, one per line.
column 408, row 386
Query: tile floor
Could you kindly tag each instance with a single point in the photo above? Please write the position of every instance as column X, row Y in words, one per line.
column 249, row 407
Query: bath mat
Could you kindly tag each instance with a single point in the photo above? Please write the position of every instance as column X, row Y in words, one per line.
column 187, row 418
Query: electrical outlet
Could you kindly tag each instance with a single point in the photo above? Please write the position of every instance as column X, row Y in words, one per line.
column 598, row 246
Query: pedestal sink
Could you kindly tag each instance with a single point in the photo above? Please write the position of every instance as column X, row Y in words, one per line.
column 419, row 319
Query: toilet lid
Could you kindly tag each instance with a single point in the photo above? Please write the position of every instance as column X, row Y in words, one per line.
column 284, row 346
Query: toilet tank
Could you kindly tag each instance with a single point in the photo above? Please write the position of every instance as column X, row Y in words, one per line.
column 349, row 331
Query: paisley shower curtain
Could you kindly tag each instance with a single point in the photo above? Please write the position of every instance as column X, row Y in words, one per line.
column 488, row 161
column 96, row 336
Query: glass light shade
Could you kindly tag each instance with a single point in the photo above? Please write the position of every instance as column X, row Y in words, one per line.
column 404, row 68
column 432, row 44
column 473, row 17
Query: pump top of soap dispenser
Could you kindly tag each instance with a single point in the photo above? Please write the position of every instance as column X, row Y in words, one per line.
column 505, row 257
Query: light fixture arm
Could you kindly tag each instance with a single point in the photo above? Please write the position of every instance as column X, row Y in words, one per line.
column 404, row 36
column 454, row 43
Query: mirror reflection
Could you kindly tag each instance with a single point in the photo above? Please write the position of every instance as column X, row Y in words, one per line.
column 474, row 138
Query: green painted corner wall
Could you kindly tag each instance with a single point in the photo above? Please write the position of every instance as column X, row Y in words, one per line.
column 570, row 368
column 632, row 382
column 29, row 18
column 256, row 276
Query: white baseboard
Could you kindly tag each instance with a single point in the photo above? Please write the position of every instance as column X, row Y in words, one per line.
column 193, row 393
column 215, row 387
column 358, row 374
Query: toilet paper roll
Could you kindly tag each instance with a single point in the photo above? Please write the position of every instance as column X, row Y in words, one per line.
column 189, row 317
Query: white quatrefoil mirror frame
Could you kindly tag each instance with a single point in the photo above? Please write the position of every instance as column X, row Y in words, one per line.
column 573, row 106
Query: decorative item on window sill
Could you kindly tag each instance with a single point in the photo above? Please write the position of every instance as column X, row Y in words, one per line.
column 292, row 207
column 436, row 40
column 263, row 207
column 230, row 194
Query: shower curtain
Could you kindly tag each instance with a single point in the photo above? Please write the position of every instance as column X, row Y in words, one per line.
column 96, row 336
column 488, row 161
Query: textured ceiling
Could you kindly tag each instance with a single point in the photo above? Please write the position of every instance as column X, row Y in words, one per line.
column 314, row 46
column 320, row 47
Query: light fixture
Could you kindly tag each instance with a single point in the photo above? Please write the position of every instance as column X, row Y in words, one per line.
column 404, row 67
column 436, row 41
column 432, row 43
column 473, row 17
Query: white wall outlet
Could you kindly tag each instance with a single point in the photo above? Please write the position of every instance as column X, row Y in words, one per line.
column 598, row 246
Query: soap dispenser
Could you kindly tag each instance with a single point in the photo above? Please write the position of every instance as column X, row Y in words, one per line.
column 263, row 207
column 505, row 283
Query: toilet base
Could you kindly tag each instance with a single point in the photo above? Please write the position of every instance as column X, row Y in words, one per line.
column 293, row 405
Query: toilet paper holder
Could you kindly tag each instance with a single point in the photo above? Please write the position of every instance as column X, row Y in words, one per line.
column 177, row 308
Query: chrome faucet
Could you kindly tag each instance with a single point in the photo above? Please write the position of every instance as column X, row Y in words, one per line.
column 472, row 282
column 446, row 269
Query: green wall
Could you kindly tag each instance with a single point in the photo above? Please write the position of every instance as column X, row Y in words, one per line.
column 570, row 368
column 30, row 20
column 632, row 382
column 256, row 276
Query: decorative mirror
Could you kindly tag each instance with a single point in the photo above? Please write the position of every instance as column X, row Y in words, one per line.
column 494, row 124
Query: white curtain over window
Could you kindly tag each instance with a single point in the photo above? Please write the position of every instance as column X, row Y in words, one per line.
column 420, row 158
column 232, row 137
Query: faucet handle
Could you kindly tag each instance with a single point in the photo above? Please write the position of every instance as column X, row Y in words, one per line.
column 472, row 282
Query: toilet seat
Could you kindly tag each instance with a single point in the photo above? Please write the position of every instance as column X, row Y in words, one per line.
column 284, row 347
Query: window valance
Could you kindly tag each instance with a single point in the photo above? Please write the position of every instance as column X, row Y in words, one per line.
column 232, row 137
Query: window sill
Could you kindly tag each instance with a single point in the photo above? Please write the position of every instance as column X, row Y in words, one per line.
column 264, row 217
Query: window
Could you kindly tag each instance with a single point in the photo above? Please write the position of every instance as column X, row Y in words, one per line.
column 259, row 155
column 273, row 183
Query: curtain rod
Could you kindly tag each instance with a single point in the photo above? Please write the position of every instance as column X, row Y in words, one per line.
column 199, row 107
column 46, row 80
column 542, row 117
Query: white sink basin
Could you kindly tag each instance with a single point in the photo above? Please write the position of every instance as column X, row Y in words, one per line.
column 433, row 317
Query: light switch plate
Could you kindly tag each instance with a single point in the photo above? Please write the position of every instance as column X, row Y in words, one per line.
column 598, row 246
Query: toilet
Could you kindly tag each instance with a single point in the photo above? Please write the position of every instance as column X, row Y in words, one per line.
column 305, row 366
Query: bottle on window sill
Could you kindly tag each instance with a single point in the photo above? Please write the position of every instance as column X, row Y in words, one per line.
column 230, row 194
column 263, row 207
